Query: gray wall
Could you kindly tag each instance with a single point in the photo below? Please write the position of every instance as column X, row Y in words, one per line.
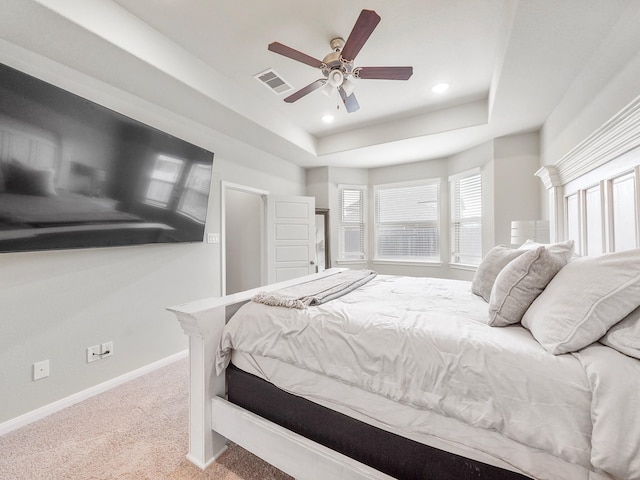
column 510, row 192
column 53, row 305
column 243, row 240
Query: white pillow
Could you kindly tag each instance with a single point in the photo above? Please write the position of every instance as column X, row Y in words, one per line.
column 491, row 265
column 624, row 336
column 519, row 283
column 585, row 298
column 566, row 248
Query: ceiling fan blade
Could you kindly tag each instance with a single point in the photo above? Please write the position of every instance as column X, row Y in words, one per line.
column 364, row 27
column 385, row 73
column 305, row 91
column 350, row 102
column 294, row 54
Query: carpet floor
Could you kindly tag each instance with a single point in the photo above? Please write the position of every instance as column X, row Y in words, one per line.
column 136, row 431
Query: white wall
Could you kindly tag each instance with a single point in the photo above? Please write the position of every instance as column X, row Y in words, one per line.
column 431, row 169
column 516, row 188
column 243, row 240
column 606, row 85
column 55, row 304
column 318, row 186
column 510, row 192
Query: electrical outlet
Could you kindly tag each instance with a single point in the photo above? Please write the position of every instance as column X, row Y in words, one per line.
column 93, row 353
column 41, row 370
column 107, row 350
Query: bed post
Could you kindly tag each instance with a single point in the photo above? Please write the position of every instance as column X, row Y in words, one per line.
column 204, row 328
column 203, row 321
column 551, row 180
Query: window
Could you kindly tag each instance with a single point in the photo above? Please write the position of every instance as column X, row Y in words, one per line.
column 352, row 232
column 407, row 221
column 194, row 197
column 164, row 176
column 466, row 218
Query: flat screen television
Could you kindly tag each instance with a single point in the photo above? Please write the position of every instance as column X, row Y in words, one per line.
column 74, row 174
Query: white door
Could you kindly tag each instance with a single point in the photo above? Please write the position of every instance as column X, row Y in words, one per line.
column 291, row 251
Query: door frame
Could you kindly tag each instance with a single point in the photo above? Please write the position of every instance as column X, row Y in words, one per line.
column 225, row 186
column 327, row 236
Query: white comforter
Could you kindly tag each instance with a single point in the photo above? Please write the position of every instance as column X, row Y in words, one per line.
column 615, row 410
column 425, row 342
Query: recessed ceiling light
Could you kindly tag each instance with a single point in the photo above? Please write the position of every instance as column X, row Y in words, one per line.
column 327, row 118
column 440, row 88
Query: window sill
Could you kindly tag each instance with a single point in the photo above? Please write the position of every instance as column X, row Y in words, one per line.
column 352, row 262
column 463, row 266
column 418, row 263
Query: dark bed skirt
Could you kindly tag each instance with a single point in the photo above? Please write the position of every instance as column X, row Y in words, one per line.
column 392, row 454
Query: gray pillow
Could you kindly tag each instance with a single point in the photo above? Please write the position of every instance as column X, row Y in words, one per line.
column 25, row 180
column 566, row 248
column 584, row 300
column 485, row 276
column 520, row 282
column 624, row 336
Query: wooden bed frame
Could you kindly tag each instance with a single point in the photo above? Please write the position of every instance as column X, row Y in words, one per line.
column 612, row 150
column 214, row 420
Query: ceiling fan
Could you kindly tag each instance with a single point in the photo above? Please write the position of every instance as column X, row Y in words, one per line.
column 338, row 65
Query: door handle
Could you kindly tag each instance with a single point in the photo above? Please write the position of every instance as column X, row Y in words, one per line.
column 312, row 262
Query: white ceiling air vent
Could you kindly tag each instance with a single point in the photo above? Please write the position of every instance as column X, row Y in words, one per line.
column 273, row 81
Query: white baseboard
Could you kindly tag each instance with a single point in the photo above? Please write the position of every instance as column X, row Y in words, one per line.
column 42, row 412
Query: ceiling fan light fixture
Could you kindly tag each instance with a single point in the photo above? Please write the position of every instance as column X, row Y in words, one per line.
column 440, row 88
column 335, row 78
column 348, row 86
column 338, row 65
column 328, row 89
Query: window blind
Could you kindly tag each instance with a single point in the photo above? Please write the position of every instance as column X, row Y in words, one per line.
column 466, row 219
column 164, row 177
column 407, row 221
column 351, row 232
column 194, row 197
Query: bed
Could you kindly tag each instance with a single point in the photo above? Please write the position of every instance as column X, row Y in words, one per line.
column 513, row 405
column 40, row 210
column 530, row 371
column 66, row 219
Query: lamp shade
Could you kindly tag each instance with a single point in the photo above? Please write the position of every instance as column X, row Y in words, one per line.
column 523, row 230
